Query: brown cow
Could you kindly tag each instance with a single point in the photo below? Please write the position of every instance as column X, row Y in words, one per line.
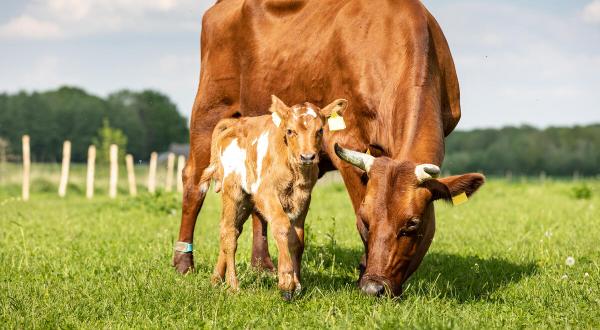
column 390, row 60
column 267, row 165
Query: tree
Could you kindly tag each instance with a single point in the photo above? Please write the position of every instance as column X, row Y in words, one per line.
column 106, row 137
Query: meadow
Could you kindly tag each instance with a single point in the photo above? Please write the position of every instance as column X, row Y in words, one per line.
column 520, row 254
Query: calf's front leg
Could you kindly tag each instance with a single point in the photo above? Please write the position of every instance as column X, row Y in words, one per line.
column 286, row 240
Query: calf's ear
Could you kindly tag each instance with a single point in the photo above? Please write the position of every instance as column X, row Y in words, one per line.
column 446, row 188
column 338, row 106
column 279, row 108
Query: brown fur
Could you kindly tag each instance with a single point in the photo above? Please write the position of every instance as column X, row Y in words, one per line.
column 389, row 58
column 286, row 175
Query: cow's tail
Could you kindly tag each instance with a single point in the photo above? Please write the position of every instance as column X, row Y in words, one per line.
column 214, row 171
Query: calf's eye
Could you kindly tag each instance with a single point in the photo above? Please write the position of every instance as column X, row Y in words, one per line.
column 320, row 132
column 290, row 132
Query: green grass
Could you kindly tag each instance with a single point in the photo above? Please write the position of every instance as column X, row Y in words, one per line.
column 496, row 262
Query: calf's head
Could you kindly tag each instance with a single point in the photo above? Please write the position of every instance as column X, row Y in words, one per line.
column 396, row 219
column 302, row 128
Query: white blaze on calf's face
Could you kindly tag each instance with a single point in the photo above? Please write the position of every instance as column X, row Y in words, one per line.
column 261, row 152
column 233, row 160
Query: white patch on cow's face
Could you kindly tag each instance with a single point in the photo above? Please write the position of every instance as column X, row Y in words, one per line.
column 233, row 160
column 261, row 152
column 276, row 119
column 311, row 112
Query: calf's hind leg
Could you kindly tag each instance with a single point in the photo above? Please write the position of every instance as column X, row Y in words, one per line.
column 234, row 214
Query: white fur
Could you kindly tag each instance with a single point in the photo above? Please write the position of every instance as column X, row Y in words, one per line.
column 421, row 172
column 276, row 119
column 311, row 112
column 261, row 152
column 233, row 160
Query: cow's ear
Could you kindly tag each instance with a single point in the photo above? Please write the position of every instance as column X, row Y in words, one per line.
column 279, row 108
column 338, row 106
column 446, row 188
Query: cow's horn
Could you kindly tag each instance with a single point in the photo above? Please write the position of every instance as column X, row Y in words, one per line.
column 425, row 172
column 358, row 159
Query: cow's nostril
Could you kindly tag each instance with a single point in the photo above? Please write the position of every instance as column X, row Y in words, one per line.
column 373, row 289
column 307, row 157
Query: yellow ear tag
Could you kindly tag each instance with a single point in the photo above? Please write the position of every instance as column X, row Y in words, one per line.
column 460, row 199
column 368, row 152
column 336, row 122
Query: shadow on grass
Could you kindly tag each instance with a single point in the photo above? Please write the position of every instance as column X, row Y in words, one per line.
column 331, row 267
column 465, row 278
column 443, row 275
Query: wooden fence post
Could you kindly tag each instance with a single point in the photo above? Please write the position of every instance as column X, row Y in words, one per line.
column 91, row 167
column 170, row 166
column 26, row 167
column 114, row 171
column 152, row 173
column 131, row 175
column 64, row 173
column 180, row 165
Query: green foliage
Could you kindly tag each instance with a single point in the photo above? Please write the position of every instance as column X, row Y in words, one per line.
column 148, row 119
column 496, row 262
column 525, row 151
column 107, row 136
column 582, row 191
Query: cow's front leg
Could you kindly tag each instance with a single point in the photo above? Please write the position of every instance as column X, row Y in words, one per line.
column 261, row 260
column 193, row 198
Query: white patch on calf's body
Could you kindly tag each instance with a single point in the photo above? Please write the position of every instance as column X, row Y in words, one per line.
column 233, row 160
column 261, row 152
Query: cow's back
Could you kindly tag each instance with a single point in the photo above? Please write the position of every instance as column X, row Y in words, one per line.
column 389, row 58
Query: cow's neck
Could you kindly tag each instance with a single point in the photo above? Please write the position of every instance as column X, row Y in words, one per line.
column 418, row 136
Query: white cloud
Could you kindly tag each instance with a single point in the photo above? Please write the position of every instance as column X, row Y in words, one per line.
column 591, row 12
column 31, row 28
column 46, row 19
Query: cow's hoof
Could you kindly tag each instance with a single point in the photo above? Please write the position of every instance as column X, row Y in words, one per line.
column 263, row 264
column 287, row 295
column 183, row 262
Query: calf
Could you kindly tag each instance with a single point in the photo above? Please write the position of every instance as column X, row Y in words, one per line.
column 267, row 165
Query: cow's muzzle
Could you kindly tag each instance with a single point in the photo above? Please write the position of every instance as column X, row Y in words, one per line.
column 374, row 286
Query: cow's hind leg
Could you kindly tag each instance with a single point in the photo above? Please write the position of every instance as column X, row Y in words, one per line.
column 260, row 260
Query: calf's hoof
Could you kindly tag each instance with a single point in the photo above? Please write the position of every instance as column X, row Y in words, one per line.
column 216, row 279
column 183, row 262
column 287, row 295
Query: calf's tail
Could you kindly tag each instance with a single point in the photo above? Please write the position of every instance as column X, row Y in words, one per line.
column 214, row 171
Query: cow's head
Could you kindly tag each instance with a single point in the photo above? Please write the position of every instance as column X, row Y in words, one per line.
column 395, row 219
column 302, row 126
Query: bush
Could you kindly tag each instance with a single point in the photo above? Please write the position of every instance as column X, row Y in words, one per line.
column 581, row 192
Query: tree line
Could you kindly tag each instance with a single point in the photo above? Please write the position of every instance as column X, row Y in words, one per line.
column 525, row 150
column 148, row 120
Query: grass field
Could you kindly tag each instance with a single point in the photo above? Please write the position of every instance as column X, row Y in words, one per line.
column 498, row 261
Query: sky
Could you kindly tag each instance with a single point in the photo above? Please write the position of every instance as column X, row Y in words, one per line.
column 518, row 62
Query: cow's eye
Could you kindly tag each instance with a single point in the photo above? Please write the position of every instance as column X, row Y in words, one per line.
column 411, row 226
